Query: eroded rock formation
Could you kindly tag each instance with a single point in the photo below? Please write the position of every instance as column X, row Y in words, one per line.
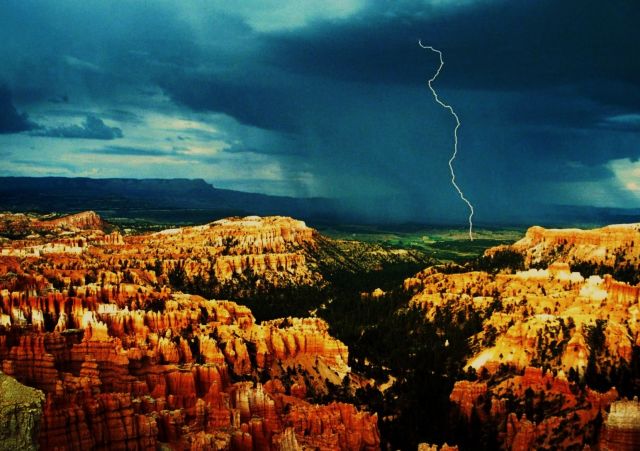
column 20, row 415
column 607, row 245
column 546, row 334
column 621, row 431
column 126, row 362
column 114, row 376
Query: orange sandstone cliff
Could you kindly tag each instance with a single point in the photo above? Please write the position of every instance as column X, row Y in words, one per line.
column 126, row 363
column 554, row 359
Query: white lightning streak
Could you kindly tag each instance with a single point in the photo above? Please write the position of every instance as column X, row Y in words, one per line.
column 455, row 135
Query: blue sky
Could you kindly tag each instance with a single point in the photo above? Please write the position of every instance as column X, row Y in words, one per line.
column 329, row 98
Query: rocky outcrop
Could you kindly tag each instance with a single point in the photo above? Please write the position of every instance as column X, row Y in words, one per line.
column 620, row 292
column 545, row 334
column 335, row 426
column 538, row 317
column 103, row 421
column 621, row 431
column 19, row 225
column 127, row 363
column 532, row 408
column 232, row 251
column 118, row 377
column 86, row 220
column 465, row 395
column 72, row 234
column 20, row 415
column 95, row 322
column 227, row 266
column 428, row 447
column 610, row 237
column 605, row 245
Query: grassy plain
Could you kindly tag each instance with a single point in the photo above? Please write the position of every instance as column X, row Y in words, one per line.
column 440, row 243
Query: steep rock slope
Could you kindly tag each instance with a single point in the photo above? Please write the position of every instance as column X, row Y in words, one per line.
column 613, row 249
column 621, row 430
column 23, row 224
column 20, row 415
column 555, row 351
column 125, row 361
column 116, row 375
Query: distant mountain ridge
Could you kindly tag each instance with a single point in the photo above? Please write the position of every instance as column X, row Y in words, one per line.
column 195, row 201
column 142, row 197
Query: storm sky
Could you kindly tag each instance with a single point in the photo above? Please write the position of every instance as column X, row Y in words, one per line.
column 329, row 98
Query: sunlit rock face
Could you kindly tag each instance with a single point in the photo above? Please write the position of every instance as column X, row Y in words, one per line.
column 532, row 409
column 535, row 321
column 606, row 245
column 68, row 235
column 126, row 362
column 238, row 257
column 96, row 322
column 18, row 224
column 20, row 415
column 116, row 376
column 547, row 332
column 621, row 429
column 272, row 248
column 87, row 220
column 428, row 447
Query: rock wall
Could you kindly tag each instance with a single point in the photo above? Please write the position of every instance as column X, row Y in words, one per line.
column 621, row 431
column 117, row 378
column 534, row 349
column 576, row 245
column 86, row 220
column 20, row 415
column 125, row 362
column 272, row 249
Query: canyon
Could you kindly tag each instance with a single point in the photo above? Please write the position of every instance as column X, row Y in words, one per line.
column 128, row 341
column 123, row 361
column 555, row 363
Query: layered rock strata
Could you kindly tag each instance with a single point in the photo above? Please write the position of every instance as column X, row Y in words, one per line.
column 125, row 362
column 132, row 378
column 546, row 334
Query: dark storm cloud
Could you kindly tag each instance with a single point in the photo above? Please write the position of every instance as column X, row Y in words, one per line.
column 565, row 108
column 490, row 45
column 126, row 151
column 248, row 102
column 89, row 50
column 59, row 99
column 625, row 95
column 589, row 47
column 11, row 121
column 123, row 116
column 261, row 150
column 624, row 122
column 573, row 64
column 547, row 91
column 174, row 152
column 92, row 128
column 243, row 149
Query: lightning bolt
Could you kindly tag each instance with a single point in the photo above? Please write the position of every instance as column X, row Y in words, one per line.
column 455, row 136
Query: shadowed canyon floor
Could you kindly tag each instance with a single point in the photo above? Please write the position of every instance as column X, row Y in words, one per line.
column 324, row 343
